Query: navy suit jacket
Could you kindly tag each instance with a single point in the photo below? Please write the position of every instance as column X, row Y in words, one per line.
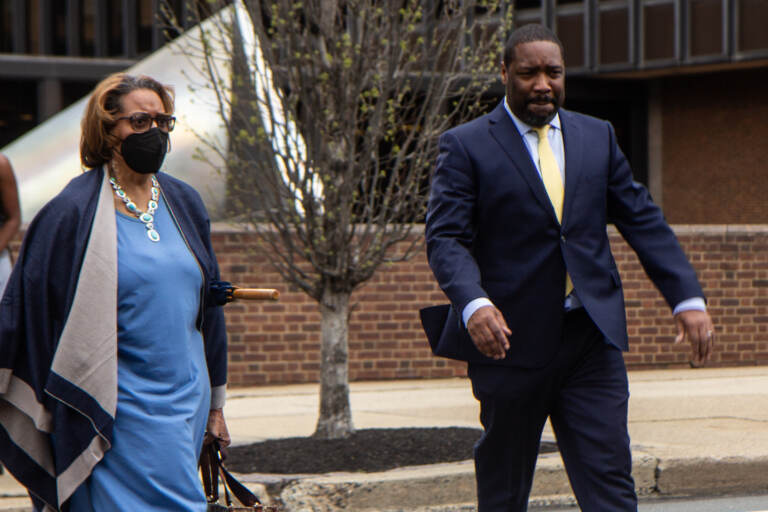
column 491, row 231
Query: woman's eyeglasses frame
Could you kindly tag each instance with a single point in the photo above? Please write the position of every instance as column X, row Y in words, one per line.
column 165, row 122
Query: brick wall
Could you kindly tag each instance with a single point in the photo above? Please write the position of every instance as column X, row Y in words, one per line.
column 732, row 264
column 279, row 342
column 713, row 147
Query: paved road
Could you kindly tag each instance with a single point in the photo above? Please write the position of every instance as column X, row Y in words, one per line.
column 729, row 504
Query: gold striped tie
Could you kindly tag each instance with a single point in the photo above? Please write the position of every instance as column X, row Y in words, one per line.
column 553, row 182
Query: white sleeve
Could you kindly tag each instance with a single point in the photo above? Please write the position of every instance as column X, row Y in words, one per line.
column 694, row 303
column 473, row 306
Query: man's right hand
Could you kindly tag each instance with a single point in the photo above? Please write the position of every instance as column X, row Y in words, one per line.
column 489, row 332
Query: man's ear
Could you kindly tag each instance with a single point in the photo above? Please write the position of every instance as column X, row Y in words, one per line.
column 504, row 76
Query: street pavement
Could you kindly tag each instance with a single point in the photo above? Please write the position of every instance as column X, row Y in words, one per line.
column 695, row 432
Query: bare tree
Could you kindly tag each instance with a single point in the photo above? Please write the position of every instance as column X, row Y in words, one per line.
column 333, row 109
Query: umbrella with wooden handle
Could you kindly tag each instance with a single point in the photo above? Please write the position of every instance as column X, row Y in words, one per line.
column 223, row 292
column 255, row 294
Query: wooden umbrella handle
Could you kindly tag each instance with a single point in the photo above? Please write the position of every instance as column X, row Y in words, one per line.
column 255, row 294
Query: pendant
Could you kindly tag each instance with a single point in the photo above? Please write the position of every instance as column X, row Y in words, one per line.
column 153, row 235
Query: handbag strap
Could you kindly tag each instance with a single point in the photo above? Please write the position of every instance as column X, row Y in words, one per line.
column 241, row 492
column 209, row 470
column 211, row 466
column 227, row 498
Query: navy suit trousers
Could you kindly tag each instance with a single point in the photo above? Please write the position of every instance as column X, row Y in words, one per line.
column 584, row 391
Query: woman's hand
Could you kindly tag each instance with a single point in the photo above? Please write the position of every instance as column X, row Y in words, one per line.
column 217, row 429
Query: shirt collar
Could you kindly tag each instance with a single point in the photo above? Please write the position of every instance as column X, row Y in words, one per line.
column 524, row 128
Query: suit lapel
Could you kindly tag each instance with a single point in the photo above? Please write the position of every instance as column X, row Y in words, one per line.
column 572, row 145
column 504, row 131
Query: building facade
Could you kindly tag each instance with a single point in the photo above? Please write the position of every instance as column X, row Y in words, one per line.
column 675, row 77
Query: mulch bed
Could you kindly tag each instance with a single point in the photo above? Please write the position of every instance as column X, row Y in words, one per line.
column 366, row 450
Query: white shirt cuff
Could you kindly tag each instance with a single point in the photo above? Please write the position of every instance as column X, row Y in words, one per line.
column 473, row 306
column 692, row 304
column 218, row 396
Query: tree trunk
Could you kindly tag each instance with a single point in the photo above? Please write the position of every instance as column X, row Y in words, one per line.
column 335, row 421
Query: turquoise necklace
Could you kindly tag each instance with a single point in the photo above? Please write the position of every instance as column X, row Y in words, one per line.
column 148, row 217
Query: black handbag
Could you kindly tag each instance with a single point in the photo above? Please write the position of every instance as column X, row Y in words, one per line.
column 211, row 467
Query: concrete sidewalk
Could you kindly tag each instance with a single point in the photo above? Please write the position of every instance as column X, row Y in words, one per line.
column 702, row 431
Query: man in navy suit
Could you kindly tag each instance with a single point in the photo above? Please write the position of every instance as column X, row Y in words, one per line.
column 516, row 237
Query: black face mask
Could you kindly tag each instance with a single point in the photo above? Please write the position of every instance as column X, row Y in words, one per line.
column 144, row 152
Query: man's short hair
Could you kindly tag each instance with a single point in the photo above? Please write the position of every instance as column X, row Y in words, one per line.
column 528, row 34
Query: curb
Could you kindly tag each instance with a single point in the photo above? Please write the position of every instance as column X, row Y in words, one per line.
column 711, row 475
column 450, row 487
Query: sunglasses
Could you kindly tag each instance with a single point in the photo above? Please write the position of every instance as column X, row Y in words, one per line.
column 141, row 121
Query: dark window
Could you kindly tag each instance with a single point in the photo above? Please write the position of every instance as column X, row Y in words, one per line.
column 57, row 21
column 614, row 36
column 6, row 24
column 146, row 22
column 115, row 27
column 88, row 28
column 33, row 26
column 706, row 27
column 570, row 30
column 527, row 4
column 659, row 31
column 753, row 34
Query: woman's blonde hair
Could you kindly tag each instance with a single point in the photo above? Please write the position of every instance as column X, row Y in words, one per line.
column 104, row 106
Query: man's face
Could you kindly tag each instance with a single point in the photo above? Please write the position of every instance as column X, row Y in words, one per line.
column 535, row 82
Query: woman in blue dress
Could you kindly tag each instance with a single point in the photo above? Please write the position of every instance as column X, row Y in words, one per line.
column 127, row 375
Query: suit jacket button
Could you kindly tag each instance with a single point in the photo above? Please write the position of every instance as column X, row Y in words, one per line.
column 562, row 237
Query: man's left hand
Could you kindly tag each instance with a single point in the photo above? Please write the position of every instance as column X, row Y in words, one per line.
column 698, row 328
column 217, row 428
